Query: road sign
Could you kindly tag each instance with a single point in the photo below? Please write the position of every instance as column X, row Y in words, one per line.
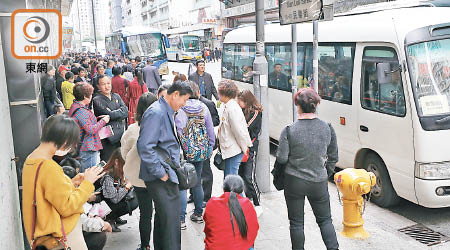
column 299, row 11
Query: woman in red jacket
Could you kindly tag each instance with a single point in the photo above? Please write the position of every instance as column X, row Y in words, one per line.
column 230, row 220
column 136, row 88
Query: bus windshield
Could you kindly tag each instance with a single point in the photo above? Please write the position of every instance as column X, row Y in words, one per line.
column 429, row 64
column 149, row 45
column 191, row 43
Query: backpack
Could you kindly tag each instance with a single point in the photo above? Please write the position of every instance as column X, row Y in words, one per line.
column 194, row 139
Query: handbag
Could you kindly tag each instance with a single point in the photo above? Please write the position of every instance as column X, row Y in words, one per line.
column 131, row 200
column 187, row 176
column 247, row 153
column 218, row 160
column 278, row 170
column 46, row 241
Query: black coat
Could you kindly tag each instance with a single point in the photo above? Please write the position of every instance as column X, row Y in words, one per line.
column 116, row 109
column 49, row 89
column 254, row 129
column 209, row 84
column 212, row 110
column 59, row 81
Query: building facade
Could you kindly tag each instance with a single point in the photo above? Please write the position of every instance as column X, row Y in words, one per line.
column 81, row 19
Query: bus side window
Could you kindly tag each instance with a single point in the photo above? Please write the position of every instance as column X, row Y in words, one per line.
column 335, row 72
column 279, row 58
column 381, row 83
column 228, row 61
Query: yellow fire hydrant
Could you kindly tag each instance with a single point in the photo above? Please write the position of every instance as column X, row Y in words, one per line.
column 353, row 183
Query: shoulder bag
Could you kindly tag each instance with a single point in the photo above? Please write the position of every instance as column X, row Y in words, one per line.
column 46, row 241
column 246, row 155
column 131, row 200
column 187, row 176
column 278, row 170
column 185, row 171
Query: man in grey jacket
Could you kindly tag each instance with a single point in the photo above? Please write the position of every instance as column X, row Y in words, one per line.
column 204, row 81
column 151, row 77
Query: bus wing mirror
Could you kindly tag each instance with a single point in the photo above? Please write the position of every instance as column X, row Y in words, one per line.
column 384, row 72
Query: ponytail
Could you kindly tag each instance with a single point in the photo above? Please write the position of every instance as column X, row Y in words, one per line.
column 234, row 184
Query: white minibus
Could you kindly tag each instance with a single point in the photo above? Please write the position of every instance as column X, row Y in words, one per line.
column 384, row 80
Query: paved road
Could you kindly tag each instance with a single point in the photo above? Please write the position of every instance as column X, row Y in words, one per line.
column 382, row 224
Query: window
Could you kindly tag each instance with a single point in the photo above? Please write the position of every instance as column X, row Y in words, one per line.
column 153, row 14
column 144, row 17
column 228, row 61
column 243, row 62
column 129, row 12
column 381, row 82
column 335, row 71
column 278, row 57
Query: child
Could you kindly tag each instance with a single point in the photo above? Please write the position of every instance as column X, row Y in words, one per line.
column 67, row 90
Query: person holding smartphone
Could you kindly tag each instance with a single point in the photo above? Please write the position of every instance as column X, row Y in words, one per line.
column 91, row 145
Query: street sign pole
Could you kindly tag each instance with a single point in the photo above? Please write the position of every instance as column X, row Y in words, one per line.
column 315, row 56
column 261, row 93
column 294, row 68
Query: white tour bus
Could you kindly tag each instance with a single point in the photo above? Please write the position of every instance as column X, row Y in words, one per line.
column 384, row 79
column 184, row 47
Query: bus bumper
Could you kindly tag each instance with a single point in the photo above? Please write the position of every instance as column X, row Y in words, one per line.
column 427, row 196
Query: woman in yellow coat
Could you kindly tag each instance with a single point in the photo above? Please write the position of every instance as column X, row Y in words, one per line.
column 59, row 199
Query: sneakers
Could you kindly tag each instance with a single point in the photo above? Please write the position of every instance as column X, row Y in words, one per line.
column 143, row 248
column 197, row 218
column 183, row 225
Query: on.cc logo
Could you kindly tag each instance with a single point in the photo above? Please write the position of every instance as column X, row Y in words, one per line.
column 38, row 32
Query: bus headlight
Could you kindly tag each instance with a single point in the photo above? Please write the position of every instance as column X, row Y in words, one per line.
column 433, row 171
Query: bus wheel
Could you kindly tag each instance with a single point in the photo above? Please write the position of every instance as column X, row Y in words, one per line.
column 178, row 58
column 383, row 193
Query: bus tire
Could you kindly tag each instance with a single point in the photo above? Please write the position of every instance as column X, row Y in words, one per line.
column 383, row 193
column 177, row 58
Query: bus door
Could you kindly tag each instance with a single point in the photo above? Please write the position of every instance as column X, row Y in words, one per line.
column 385, row 124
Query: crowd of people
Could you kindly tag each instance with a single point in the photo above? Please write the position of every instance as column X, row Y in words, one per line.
column 118, row 131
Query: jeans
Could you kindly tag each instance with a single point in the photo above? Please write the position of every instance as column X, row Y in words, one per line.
column 49, row 107
column 197, row 193
column 88, row 159
column 167, row 227
column 145, row 220
column 232, row 165
column 295, row 190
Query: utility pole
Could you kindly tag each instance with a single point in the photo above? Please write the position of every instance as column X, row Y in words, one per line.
column 316, row 56
column 79, row 24
column 261, row 92
column 294, row 69
column 95, row 31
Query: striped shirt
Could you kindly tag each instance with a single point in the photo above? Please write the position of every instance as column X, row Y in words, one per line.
column 89, row 127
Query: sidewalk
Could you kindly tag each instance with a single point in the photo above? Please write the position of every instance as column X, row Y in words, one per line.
column 382, row 224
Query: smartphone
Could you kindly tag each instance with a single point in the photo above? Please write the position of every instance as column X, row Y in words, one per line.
column 101, row 164
column 98, row 190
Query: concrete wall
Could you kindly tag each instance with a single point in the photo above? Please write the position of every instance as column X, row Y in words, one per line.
column 11, row 236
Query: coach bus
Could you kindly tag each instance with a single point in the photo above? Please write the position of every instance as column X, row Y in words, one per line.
column 384, row 80
column 140, row 41
column 184, row 47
